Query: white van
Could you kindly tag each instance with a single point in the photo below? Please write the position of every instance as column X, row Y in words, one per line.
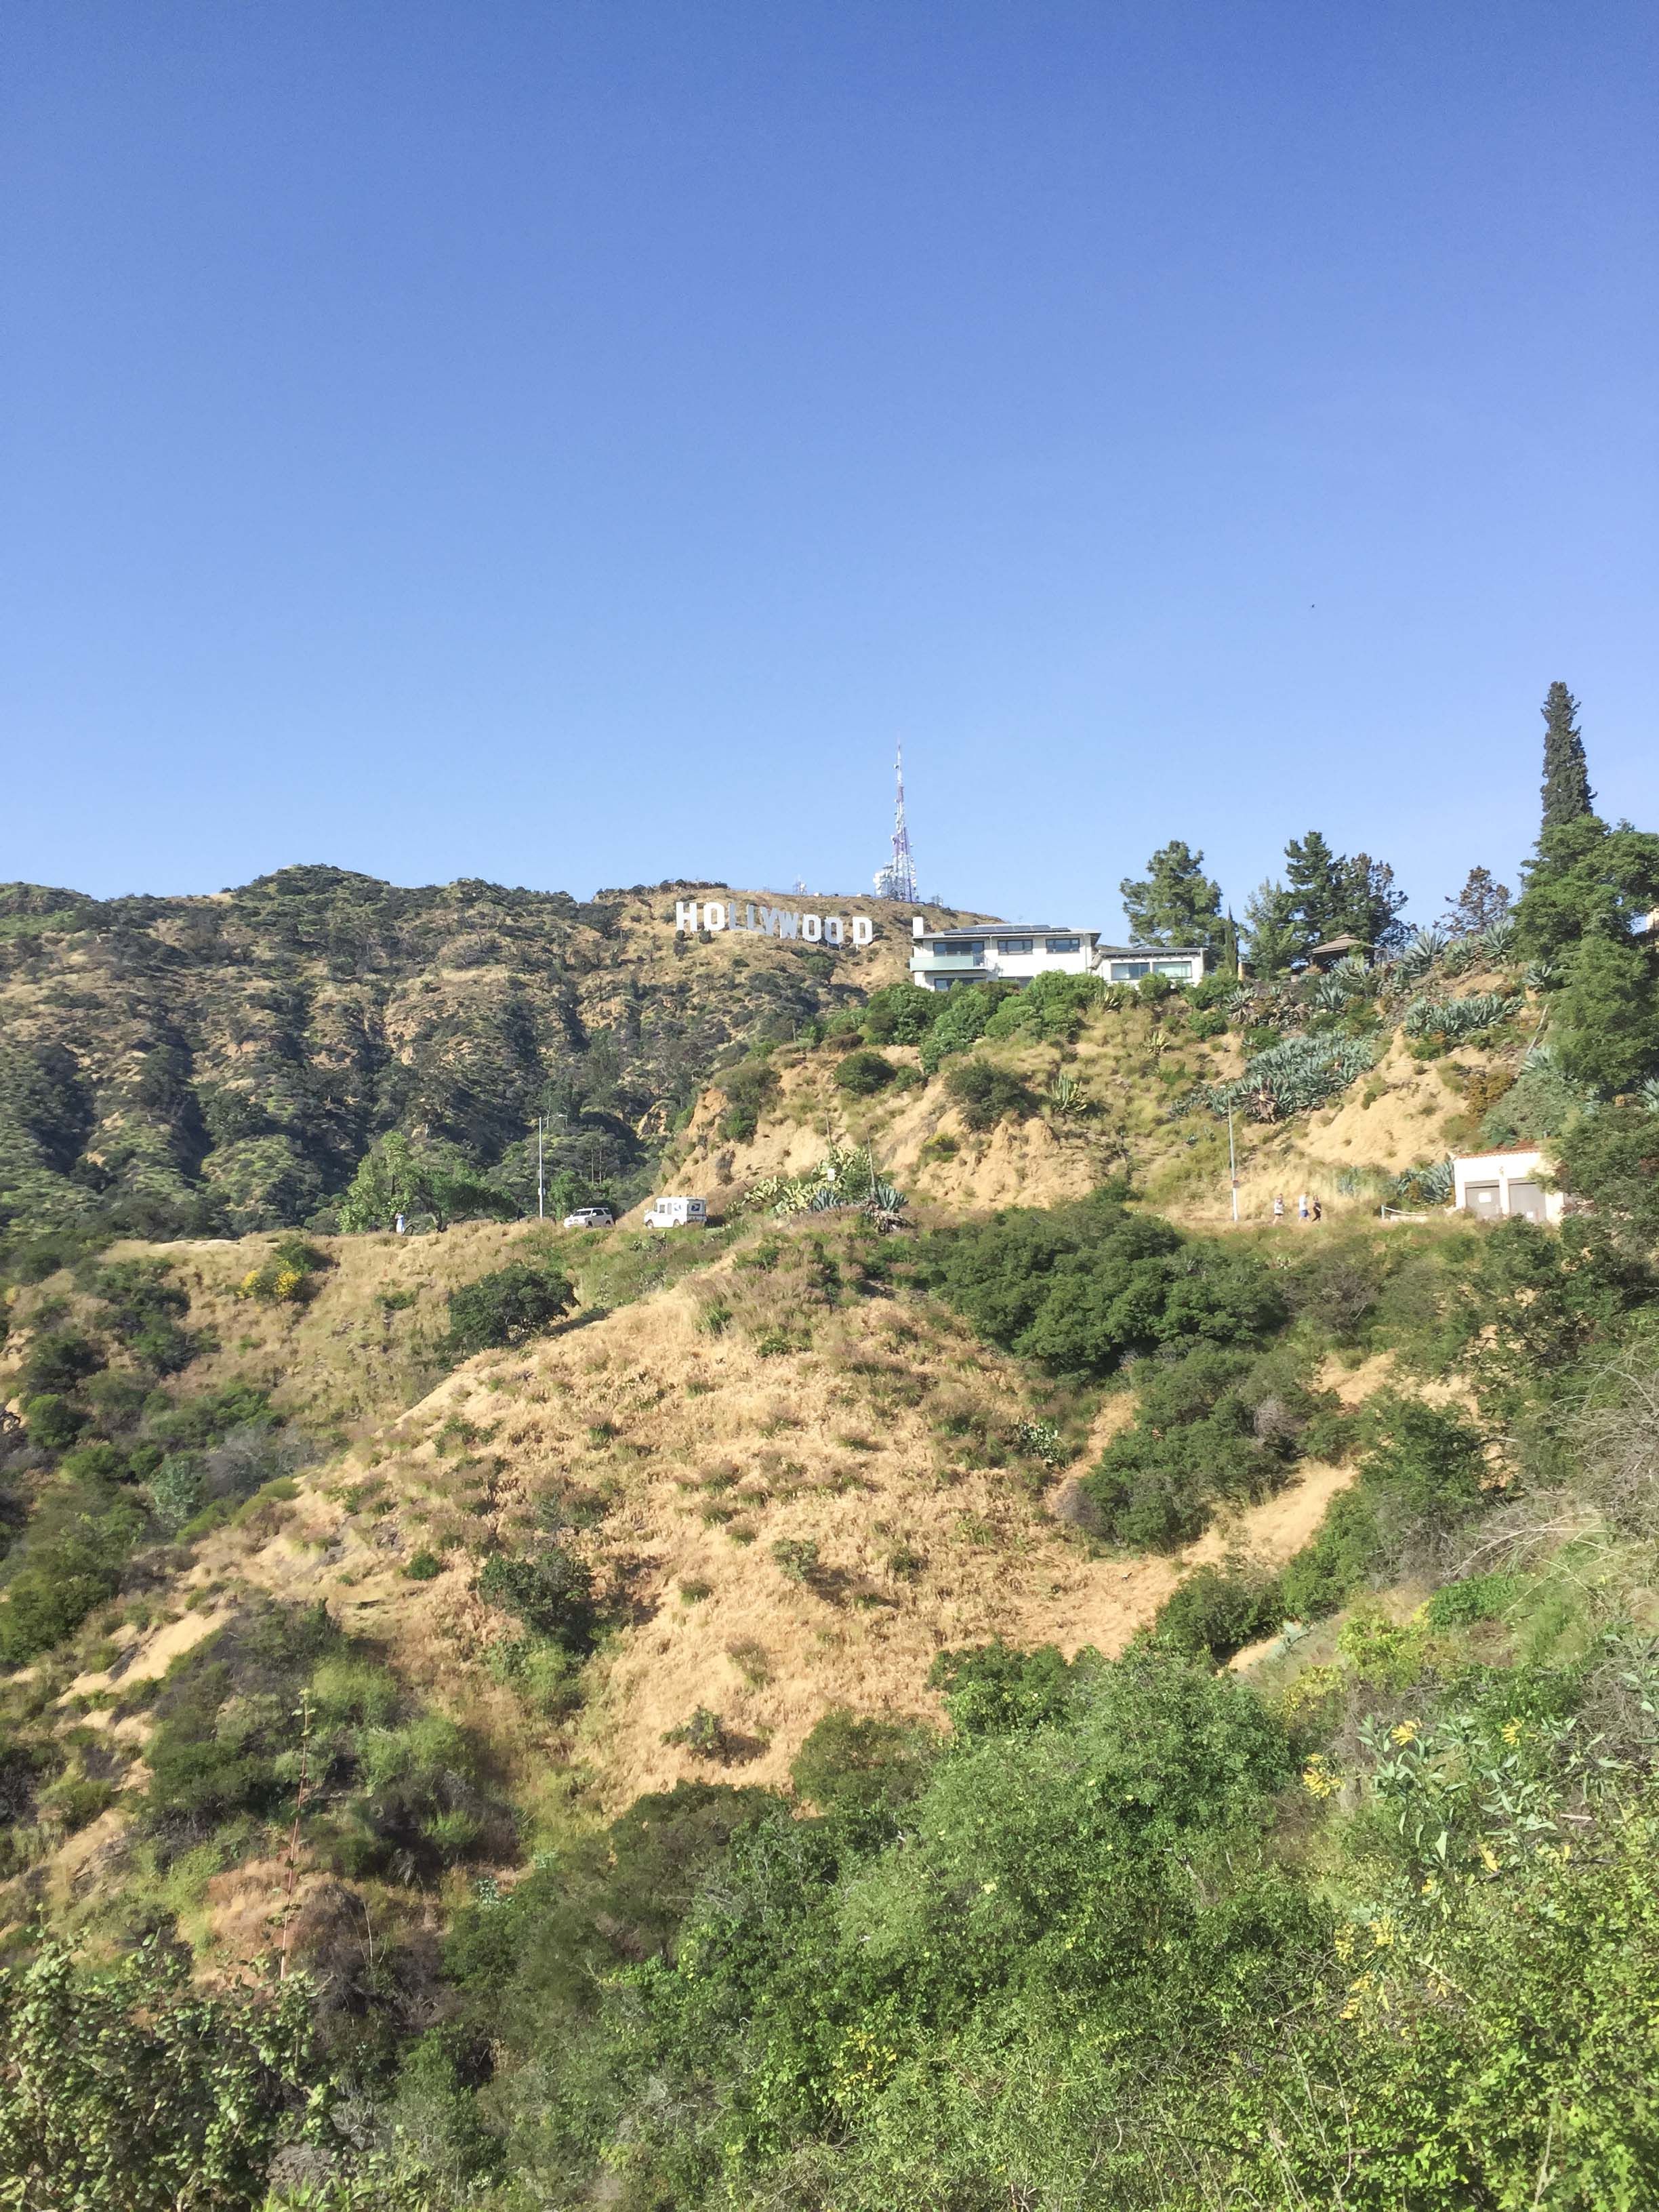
column 678, row 1213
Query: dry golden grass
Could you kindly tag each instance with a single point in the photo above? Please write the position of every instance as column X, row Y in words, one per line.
column 709, row 1451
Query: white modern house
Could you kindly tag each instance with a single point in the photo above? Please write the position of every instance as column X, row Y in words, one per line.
column 1491, row 1185
column 1011, row 952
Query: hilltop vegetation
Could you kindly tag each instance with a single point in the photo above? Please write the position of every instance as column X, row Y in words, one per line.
column 212, row 1065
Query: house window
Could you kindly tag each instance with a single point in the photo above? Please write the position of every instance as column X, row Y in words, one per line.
column 1013, row 944
column 1062, row 944
column 1183, row 968
column 1130, row 971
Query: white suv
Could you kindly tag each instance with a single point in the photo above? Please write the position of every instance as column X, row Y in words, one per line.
column 589, row 1217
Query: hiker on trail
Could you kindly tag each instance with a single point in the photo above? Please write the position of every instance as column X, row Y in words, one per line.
column 1279, row 1212
column 1319, row 1211
column 1302, row 1207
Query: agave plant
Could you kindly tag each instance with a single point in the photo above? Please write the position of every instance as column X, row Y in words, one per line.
column 1357, row 979
column 1648, row 1094
column 1295, row 1077
column 1540, row 976
column 845, row 1178
column 1459, row 1017
column 1329, row 994
column 1437, row 1181
column 1496, row 939
column 1429, row 1184
column 1066, row 1093
column 1421, row 953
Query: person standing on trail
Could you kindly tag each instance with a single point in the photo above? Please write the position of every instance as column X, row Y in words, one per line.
column 1302, row 1207
column 1318, row 1211
column 1279, row 1212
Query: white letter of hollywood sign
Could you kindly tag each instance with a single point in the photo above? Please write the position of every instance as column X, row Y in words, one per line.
column 772, row 921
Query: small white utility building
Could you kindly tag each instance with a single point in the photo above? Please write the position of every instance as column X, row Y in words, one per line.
column 1491, row 1185
column 1009, row 952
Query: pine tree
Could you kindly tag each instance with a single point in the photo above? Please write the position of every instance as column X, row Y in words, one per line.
column 1319, row 887
column 1567, row 792
column 1276, row 940
column 1372, row 907
column 1481, row 902
column 1227, row 958
column 1177, row 903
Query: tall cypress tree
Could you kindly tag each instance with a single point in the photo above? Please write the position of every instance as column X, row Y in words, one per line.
column 1567, row 792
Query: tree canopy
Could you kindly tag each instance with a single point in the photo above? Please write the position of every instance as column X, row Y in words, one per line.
column 1567, row 793
column 1176, row 904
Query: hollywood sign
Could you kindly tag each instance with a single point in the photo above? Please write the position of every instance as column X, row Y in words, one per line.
column 689, row 916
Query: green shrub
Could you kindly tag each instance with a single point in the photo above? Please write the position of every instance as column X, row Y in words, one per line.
column 997, row 1689
column 143, row 1306
column 353, row 1690
column 507, row 1307
column 48, row 1599
column 551, row 1592
column 797, row 1557
column 133, row 2089
column 58, row 1361
column 1481, row 1597
column 177, row 1490
column 424, row 1567
column 705, row 1734
column 749, row 1088
column 900, row 1013
column 1339, row 1562
column 1079, row 1286
column 1217, row 1611
column 1217, row 1423
column 864, row 1074
column 1424, row 1472
column 200, row 1422
column 988, row 1094
column 858, row 1767
column 52, row 1421
column 1051, row 1007
column 962, row 1020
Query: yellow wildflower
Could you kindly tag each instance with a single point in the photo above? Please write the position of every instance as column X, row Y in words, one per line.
column 1512, row 1732
column 1406, row 1733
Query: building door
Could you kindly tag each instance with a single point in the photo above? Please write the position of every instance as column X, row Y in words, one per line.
column 1485, row 1199
column 1527, row 1200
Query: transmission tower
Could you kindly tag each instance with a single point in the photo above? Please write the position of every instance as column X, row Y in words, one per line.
column 897, row 880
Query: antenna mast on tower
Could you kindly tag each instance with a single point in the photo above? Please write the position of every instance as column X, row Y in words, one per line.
column 897, row 880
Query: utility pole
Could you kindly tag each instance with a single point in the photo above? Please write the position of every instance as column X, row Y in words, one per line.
column 1232, row 1165
column 541, row 1187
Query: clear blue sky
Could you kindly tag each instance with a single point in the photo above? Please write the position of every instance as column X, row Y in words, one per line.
column 568, row 444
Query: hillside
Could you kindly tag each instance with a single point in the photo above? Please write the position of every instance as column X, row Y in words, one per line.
column 221, row 1064
column 1014, row 1599
column 1117, row 1088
